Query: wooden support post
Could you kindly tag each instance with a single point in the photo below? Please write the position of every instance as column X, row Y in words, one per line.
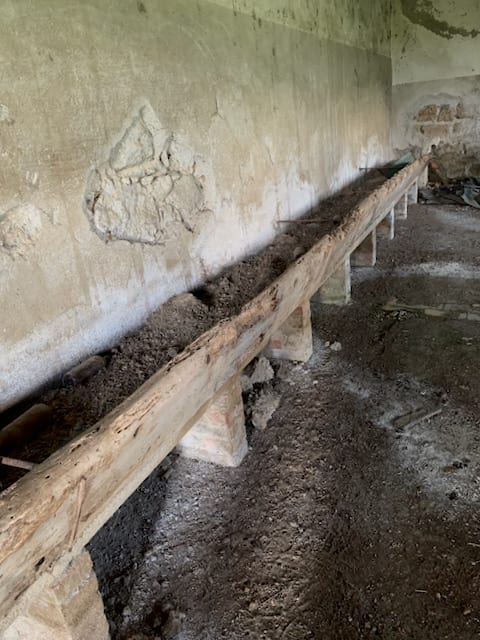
column 412, row 193
column 70, row 609
column 386, row 227
column 337, row 289
column 219, row 435
column 365, row 255
column 401, row 210
column 293, row 340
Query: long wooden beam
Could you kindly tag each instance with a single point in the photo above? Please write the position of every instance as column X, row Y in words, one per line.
column 50, row 514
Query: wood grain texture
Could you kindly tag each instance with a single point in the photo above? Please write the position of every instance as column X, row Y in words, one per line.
column 51, row 513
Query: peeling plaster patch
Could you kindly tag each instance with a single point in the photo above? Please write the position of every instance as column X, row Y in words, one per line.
column 153, row 189
column 19, row 228
column 422, row 12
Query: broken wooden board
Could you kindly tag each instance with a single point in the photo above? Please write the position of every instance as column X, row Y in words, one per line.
column 410, row 419
column 48, row 516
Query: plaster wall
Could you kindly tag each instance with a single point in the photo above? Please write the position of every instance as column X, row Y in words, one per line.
column 145, row 145
column 436, row 75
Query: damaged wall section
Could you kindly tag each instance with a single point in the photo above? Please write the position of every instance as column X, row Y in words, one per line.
column 140, row 164
column 19, row 229
column 436, row 72
column 153, row 189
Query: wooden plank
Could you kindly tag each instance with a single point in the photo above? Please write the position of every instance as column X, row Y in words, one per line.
column 51, row 513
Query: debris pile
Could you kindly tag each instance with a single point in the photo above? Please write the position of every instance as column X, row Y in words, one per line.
column 466, row 191
column 261, row 400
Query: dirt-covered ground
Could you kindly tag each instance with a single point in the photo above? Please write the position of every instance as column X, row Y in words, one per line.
column 352, row 516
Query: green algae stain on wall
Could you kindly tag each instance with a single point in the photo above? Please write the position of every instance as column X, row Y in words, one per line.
column 424, row 14
column 365, row 25
column 434, row 39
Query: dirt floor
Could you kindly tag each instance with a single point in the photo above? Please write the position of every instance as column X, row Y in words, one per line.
column 353, row 515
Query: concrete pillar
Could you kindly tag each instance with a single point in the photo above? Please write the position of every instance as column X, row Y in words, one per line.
column 365, row 255
column 337, row 289
column 386, row 228
column 293, row 340
column 219, row 435
column 412, row 193
column 70, row 609
column 401, row 210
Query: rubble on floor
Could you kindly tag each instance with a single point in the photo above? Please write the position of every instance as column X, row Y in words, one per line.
column 466, row 191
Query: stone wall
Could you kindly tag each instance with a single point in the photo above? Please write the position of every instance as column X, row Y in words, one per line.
column 145, row 145
column 436, row 72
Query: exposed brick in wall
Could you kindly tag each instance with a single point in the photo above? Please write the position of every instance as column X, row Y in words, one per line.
column 444, row 114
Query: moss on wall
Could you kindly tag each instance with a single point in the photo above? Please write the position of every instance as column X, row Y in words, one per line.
column 425, row 14
column 365, row 25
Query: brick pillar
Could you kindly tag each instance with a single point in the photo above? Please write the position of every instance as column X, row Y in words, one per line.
column 412, row 193
column 401, row 210
column 337, row 289
column 365, row 255
column 293, row 340
column 219, row 435
column 386, row 228
column 69, row 609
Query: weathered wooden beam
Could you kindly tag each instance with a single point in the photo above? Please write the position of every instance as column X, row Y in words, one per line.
column 50, row 514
